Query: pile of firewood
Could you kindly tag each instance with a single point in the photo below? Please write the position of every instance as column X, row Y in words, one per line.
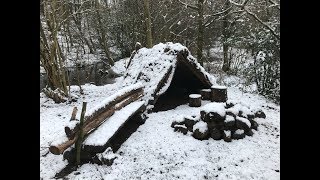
column 225, row 121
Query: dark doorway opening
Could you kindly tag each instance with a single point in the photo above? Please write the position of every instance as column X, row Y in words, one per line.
column 184, row 82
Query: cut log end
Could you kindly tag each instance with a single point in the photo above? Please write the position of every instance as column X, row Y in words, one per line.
column 205, row 94
column 194, row 100
column 55, row 150
column 219, row 94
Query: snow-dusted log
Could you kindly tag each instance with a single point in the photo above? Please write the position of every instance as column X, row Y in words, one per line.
column 107, row 104
column 238, row 134
column 95, row 122
column 219, row 94
column 213, row 112
column 205, row 94
column 105, row 132
column 194, row 100
column 180, row 128
column 200, row 130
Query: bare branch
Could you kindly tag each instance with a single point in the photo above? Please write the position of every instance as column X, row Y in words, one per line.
column 207, row 23
column 263, row 23
column 274, row 4
column 188, row 5
column 242, row 6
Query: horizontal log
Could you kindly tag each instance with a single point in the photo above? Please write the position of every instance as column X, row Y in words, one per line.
column 89, row 118
column 95, row 123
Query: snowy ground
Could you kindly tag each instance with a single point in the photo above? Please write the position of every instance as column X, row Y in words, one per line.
column 155, row 151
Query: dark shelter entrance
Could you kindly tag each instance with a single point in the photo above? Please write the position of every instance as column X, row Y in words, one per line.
column 184, row 82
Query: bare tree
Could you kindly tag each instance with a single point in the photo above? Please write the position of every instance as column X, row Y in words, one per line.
column 146, row 7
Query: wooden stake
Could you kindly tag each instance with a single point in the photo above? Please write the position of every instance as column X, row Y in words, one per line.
column 79, row 141
column 95, row 123
column 74, row 113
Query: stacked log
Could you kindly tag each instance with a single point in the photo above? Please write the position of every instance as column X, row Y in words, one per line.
column 225, row 121
column 95, row 119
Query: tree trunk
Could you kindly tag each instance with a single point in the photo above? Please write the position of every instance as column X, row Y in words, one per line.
column 50, row 52
column 146, row 8
column 226, row 35
column 102, row 33
column 200, row 32
column 226, row 60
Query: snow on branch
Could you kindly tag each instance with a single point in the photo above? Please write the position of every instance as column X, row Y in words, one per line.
column 274, row 4
column 243, row 7
column 188, row 5
column 263, row 23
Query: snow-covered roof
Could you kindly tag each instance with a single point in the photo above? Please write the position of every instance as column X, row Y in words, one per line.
column 155, row 68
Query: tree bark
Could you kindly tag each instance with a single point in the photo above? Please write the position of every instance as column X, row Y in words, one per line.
column 200, row 32
column 146, row 7
column 226, row 35
column 50, row 52
column 102, row 33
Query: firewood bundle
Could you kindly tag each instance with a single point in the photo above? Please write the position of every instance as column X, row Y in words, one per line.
column 225, row 121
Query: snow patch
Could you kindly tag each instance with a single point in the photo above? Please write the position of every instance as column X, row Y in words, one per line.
column 218, row 87
column 239, row 131
column 109, row 99
column 244, row 120
column 194, row 96
column 215, row 107
column 229, row 118
column 206, row 90
column 201, row 126
column 103, row 133
column 227, row 133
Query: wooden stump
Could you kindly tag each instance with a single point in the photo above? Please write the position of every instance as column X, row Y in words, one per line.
column 205, row 94
column 194, row 100
column 219, row 94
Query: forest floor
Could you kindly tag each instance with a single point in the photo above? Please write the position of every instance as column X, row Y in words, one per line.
column 155, row 151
